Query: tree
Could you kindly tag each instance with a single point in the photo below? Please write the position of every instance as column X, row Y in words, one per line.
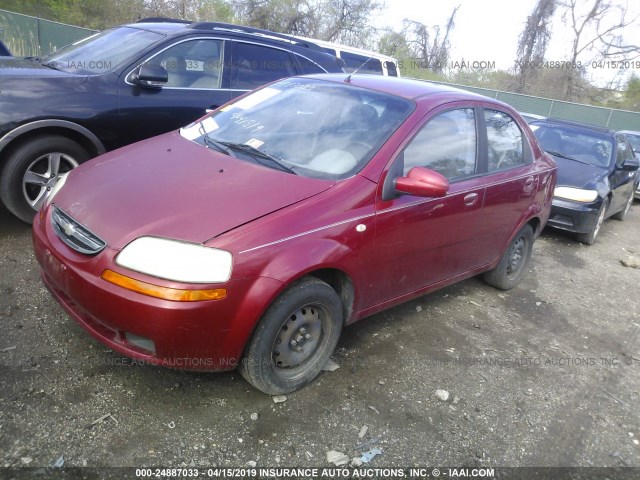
column 594, row 31
column 346, row 21
column 430, row 46
column 631, row 94
column 532, row 43
column 342, row 21
column 394, row 44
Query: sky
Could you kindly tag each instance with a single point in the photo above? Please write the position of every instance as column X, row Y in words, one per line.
column 488, row 30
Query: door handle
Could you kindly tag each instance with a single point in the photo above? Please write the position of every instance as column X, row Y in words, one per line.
column 470, row 199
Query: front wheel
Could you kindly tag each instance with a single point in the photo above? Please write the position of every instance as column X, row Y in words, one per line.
column 514, row 261
column 590, row 237
column 294, row 339
column 33, row 168
column 622, row 214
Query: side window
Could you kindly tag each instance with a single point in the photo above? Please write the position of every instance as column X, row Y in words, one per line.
column 363, row 64
column 192, row 64
column 505, row 141
column 446, row 144
column 254, row 65
column 624, row 153
column 309, row 66
column 391, row 69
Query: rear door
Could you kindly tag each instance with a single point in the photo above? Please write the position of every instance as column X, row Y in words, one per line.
column 511, row 180
column 252, row 65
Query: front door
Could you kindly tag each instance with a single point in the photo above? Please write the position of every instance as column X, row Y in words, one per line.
column 195, row 84
column 425, row 241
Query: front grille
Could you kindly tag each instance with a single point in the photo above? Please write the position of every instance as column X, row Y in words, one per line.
column 74, row 234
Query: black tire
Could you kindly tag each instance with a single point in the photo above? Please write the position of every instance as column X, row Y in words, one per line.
column 514, row 262
column 622, row 214
column 37, row 156
column 590, row 238
column 271, row 362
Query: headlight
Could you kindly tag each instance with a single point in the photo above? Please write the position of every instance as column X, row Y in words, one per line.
column 177, row 261
column 576, row 194
column 56, row 188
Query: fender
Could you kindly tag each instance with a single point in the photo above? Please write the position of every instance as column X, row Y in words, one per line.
column 38, row 124
column 289, row 265
column 304, row 257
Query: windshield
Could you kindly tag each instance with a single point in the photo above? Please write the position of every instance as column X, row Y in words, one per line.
column 577, row 144
column 304, row 126
column 102, row 52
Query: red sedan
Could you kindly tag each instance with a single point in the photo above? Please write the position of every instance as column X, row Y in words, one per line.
column 252, row 236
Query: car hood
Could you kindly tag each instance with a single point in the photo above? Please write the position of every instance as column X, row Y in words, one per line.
column 19, row 68
column 577, row 174
column 174, row 188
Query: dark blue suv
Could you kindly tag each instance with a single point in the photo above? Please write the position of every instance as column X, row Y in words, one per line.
column 126, row 84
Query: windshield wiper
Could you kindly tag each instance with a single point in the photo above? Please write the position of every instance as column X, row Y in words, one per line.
column 51, row 65
column 259, row 155
column 562, row 155
column 210, row 142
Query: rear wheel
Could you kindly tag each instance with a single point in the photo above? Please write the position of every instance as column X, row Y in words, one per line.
column 294, row 339
column 514, row 263
column 33, row 168
column 589, row 238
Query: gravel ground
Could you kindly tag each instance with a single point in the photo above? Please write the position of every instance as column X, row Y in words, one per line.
column 547, row 374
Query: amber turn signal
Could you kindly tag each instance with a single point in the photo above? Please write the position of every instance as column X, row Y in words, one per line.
column 177, row 295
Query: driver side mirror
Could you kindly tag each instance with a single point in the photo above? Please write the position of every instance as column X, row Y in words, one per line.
column 150, row 75
column 631, row 164
column 423, row 182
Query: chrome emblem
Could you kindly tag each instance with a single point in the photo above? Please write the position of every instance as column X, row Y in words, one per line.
column 68, row 229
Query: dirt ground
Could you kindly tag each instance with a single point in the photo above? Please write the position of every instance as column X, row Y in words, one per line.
column 547, row 374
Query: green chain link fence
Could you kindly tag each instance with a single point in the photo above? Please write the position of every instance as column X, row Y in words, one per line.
column 27, row 36
column 30, row 36
column 601, row 116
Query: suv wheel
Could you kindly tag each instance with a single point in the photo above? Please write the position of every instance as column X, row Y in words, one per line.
column 33, row 168
column 622, row 214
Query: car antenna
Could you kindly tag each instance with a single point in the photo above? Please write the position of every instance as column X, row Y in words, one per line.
column 348, row 79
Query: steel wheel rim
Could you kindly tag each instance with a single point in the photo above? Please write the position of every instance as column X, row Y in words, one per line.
column 43, row 174
column 516, row 257
column 300, row 338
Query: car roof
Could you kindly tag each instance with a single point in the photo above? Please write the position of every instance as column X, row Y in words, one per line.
column 348, row 49
column 572, row 124
column 170, row 25
column 158, row 26
column 408, row 88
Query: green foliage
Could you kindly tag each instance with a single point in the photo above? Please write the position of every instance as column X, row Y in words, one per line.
column 394, row 44
column 631, row 94
column 101, row 14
